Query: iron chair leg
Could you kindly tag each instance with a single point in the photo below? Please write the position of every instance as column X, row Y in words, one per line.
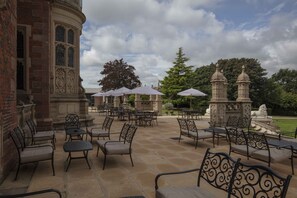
column 131, row 160
column 16, row 175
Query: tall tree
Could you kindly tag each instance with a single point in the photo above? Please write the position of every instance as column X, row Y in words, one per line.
column 117, row 74
column 178, row 77
column 287, row 79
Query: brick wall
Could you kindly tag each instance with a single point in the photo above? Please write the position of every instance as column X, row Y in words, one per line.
column 36, row 15
column 7, row 85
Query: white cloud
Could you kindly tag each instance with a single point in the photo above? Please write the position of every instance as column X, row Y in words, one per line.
column 148, row 33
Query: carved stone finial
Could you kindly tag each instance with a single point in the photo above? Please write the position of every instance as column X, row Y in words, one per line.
column 217, row 67
column 243, row 68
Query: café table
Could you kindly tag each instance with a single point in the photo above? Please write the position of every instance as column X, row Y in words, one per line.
column 71, row 133
column 77, row 146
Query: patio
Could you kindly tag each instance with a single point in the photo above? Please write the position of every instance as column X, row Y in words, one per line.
column 155, row 149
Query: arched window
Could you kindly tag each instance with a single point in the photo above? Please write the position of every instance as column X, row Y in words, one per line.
column 60, row 33
column 70, row 37
column 60, row 55
column 65, row 46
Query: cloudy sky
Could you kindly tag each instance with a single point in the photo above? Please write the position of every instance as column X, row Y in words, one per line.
column 148, row 33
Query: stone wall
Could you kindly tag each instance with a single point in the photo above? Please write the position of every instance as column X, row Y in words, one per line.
column 8, row 118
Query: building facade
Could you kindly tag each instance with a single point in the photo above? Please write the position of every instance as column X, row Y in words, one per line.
column 39, row 67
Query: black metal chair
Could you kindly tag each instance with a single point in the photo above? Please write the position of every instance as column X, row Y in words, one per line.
column 121, row 147
column 216, row 169
column 40, row 136
column 30, row 154
column 237, row 141
column 103, row 132
column 72, row 125
column 258, row 181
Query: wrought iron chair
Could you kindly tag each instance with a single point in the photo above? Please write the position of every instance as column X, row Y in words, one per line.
column 120, row 147
column 263, row 152
column 197, row 134
column 40, row 136
column 103, row 132
column 237, row 141
column 183, row 127
column 257, row 181
column 33, row 193
column 72, row 124
column 216, row 169
column 30, row 154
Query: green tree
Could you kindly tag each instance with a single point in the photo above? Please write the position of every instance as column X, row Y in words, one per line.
column 287, row 79
column 117, row 74
column 178, row 78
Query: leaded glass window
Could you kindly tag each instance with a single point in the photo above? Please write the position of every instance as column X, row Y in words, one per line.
column 70, row 36
column 65, row 46
column 60, row 33
column 21, row 58
column 60, row 55
column 70, row 57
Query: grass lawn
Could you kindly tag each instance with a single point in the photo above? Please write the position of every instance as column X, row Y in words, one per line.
column 286, row 124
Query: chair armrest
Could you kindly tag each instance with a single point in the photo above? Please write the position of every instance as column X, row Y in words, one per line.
column 116, row 133
column 172, row 173
column 39, row 145
column 57, row 192
column 111, row 141
column 100, row 128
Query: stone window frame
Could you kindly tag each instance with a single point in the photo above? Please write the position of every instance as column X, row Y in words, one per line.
column 66, row 74
column 67, row 45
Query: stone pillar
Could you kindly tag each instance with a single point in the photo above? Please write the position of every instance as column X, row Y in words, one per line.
column 158, row 104
column 137, row 101
column 243, row 82
column 116, row 101
column 219, row 98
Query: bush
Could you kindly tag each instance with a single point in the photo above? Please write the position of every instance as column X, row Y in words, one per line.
column 168, row 106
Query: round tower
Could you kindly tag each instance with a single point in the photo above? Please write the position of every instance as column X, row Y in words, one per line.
column 243, row 82
column 219, row 84
column 219, row 98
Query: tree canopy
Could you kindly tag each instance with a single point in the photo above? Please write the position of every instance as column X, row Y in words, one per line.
column 287, row 79
column 178, row 77
column 278, row 92
column 117, row 74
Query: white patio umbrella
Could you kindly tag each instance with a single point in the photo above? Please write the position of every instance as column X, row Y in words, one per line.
column 146, row 90
column 121, row 91
column 191, row 92
column 98, row 94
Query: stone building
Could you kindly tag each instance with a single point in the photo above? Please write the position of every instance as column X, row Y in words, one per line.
column 39, row 67
column 220, row 107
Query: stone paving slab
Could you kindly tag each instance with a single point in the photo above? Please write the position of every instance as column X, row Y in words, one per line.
column 155, row 150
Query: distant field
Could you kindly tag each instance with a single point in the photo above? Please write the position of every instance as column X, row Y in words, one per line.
column 286, row 124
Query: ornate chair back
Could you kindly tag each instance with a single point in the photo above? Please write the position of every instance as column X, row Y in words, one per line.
column 216, row 169
column 72, row 121
column 258, row 181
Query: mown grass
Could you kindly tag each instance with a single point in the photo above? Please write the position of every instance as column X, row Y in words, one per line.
column 286, row 124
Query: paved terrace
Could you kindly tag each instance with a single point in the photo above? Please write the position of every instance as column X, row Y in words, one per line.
column 154, row 151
